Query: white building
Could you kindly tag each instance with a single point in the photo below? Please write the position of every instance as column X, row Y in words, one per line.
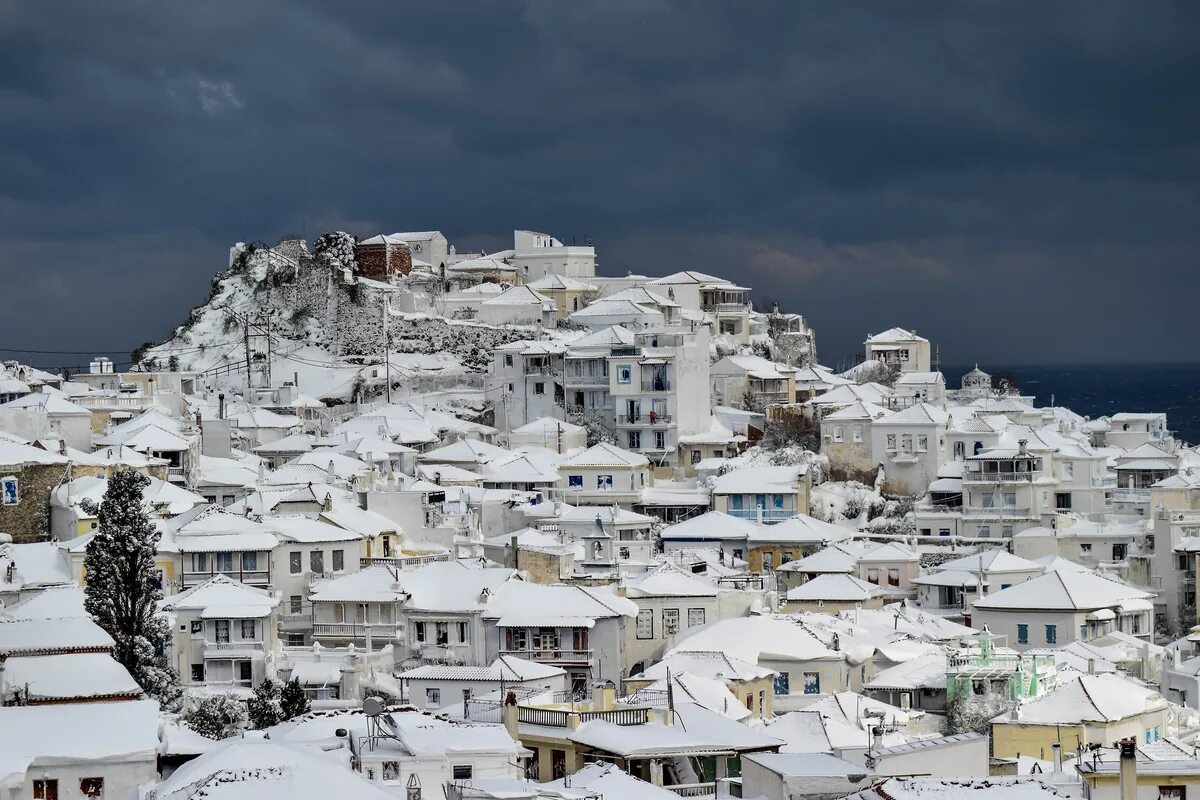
column 910, row 445
column 537, row 255
column 899, row 348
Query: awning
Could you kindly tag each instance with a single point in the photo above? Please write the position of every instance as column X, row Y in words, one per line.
column 317, row 674
column 1101, row 615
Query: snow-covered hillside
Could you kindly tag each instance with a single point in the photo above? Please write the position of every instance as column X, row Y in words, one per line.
column 314, row 317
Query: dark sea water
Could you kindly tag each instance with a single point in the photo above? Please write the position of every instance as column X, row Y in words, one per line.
column 1099, row 389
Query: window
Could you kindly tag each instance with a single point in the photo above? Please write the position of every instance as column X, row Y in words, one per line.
column 316, row 561
column 893, row 577
column 645, row 623
column 922, row 444
column 460, row 630
column 695, row 617
column 91, row 787
column 1172, row 792
column 985, row 531
column 245, row 671
column 837, row 433
column 420, row 631
column 624, row 374
column 248, row 629
column 635, row 440
column 539, row 388
column 943, row 531
column 222, row 627
column 604, row 481
column 1062, row 501
column 1085, row 547
column 812, row 683
column 197, row 673
column 391, row 770
column 670, row 620
column 197, row 626
column 873, row 575
column 249, row 562
column 575, row 481
column 1022, row 634
column 508, row 362
column 1010, row 499
column 223, row 562
column 339, row 560
column 1051, row 634
column 858, row 433
column 1006, row 531
column 623, row 553
column 294, row 565
column 660, row 440
column 295, row 640
column 461, row 772
column 696, row 455
column 442, row 632
column 46, row 789
column 433, row 697
column 781, row 684
column 891, row 441
column 906, row 442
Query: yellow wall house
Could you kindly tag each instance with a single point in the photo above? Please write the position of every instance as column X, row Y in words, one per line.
column 1087, row 709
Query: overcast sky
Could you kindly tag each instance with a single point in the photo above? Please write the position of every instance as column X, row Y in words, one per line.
column 1016, row 181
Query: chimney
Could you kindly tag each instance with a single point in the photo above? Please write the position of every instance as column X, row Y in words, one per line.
column 221, row 406
column 1056, row 748
column 877, row 738
column 1022, row 447
column 604, row 696
column 1091, row 669
column 1128, row 769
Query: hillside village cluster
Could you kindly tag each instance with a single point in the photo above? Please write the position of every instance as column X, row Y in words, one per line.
column 403, row 522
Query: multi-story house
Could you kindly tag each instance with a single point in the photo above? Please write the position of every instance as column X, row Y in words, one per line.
column 910, row 444
column 1176, row 527
column 899, row 348
column 725, row 303
column 210, row 541
column 309, row 551
column 577, row 628
column 1004, row 492
column 537, row 255
column 920, row 387
column 846, row 439
column 527, row 382
column 224, row 633
column 605, row 474
column 429, row 614
column 1128, row 431
column 751, row 381
column 615, row 540
column 763, row 494
column 1137, row 470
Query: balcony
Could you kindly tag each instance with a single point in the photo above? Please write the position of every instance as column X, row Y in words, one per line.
column 694, row 789
column 998, row 512
column 540, row 369
column 656, row 385
column 1131, row 496
column 562, row 718
column 935, row 508
column 404, row 562
column 551, row 655
column 725, row 308
column 651, row 419
column 260, row 578
column 300, row 621
column 230, row 649
column 346, row 630
column 998, row 477
column 768, row 514
column 1104, row 483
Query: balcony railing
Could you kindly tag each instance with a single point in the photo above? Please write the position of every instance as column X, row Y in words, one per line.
column 643, row 419
column 227, row 646
column 260, row 577
column 724, row 308
column 403, row 562
column 1104, row 483
column 656, row 385
column 1131, row 496
column 998, row 477
column 296, row 621
column 935, row 508
column 347, row 629
column 768, row 514
column 997, row 512
column 694, row 789
column 551, row 654
column 561, row 718
column 539, row 369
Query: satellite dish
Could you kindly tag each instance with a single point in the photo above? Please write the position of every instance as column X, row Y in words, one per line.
column 373, row 706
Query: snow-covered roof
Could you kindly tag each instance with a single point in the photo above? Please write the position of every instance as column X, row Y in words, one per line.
column 834, row 587
column 923, row 672
column 299, row 528
column 1068, row 591
column 48, row 636
column 916, row 414
column 96, row 733
column 518, row 604
column 994, row 560
column 51, row 603
column 1088, row 698
column 801, row 529
column 518, row 296
column 667, row 580
column 752, row 638
column 707, row 664
column 761, row 480
column 14, row 454
column 605, row 455
column 895, row 335
column 70, row 676
column 991, row 788
column 828, row 559
column 221, row 597
column 858, row 410
column 49, row 403
column 889, row 551
column 686, row 276
column 711, row 525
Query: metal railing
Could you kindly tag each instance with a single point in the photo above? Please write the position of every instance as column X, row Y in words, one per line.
column 221, row 646
column 561, row 718
column 644, row 419
column 1131, row 495
column 694, row 789
column 257, row 577
column 656, row 385
column 550, row 654
column 403, row 562
column 998, row 512
column 768, row 514
column 998, row 477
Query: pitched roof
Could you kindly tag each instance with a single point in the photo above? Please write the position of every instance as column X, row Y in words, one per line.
column 895, row 335
column 605, row 455
column 1058, row 590
column 834, row 587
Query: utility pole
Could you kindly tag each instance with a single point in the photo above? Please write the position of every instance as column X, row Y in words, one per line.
column 246, row 324
column 387, row 348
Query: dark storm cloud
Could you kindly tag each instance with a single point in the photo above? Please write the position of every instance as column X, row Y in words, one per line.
column 1017, row 181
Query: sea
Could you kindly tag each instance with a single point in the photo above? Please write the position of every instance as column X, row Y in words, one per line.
column 1095, row 390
